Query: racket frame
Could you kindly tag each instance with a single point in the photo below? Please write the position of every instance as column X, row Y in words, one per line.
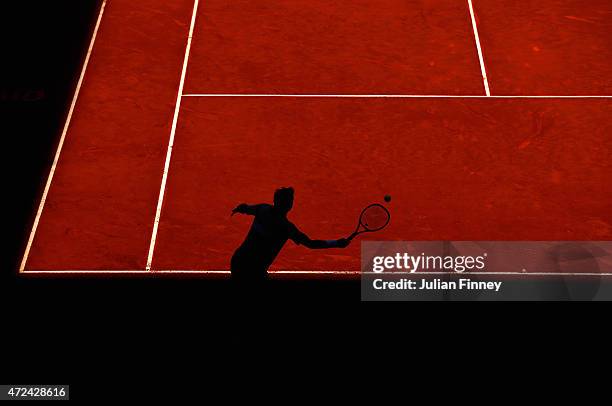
column 365, row 229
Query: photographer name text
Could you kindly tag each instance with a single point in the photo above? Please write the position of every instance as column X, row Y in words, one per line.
column 435, row 284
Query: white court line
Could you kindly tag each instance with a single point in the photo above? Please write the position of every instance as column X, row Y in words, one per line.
column 398, row 96
column 483, row 70
column 61, row 141
column 356, row 273
column 177, row 108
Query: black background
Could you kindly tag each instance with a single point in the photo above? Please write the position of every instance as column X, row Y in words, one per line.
column 93, row 332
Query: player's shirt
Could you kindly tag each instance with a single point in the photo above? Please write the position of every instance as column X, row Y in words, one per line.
column 269, row 232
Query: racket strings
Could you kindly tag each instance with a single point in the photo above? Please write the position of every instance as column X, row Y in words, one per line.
column 374, row 218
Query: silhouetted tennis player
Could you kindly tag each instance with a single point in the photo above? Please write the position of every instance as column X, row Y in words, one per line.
column 269, row 232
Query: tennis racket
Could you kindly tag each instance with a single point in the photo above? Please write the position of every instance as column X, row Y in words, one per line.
column 375, row 217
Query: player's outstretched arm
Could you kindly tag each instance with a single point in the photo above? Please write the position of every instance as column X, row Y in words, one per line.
column 245, row 209
column 323, row 244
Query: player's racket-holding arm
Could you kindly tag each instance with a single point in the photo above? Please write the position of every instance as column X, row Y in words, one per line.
column 374, row 217
column 322, row 244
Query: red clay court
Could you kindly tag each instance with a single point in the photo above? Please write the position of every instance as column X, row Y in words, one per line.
column 485, row 120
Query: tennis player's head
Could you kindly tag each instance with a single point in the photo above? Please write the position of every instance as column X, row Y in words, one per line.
column 283, row 199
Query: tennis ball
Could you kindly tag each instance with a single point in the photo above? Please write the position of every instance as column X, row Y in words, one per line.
column 387, row 198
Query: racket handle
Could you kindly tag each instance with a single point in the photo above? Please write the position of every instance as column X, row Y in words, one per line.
column 350, row 237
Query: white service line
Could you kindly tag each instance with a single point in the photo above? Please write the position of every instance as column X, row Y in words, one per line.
column 177, row 109
column 483, row 70
column 61, row 141
column 398, row 96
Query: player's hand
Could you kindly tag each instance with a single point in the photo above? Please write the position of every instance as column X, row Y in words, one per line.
column 343, row 242
column 240, row 208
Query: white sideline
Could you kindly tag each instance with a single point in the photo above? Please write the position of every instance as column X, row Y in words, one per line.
column 177, row 108
column 61, row 141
